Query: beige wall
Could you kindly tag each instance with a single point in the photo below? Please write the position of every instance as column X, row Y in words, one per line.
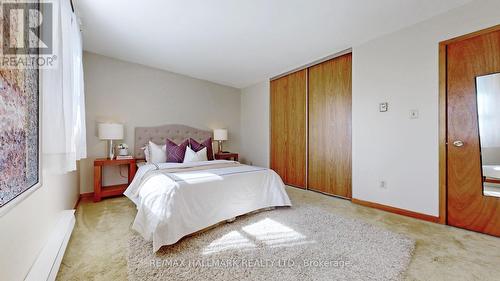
column 137, row 95
column 400, row 68
column 254, row 121
column 490, row 155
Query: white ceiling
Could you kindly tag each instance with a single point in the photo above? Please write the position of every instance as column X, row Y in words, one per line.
column 241, row 42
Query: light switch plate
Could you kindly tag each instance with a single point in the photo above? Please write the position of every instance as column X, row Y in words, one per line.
column 414, row 114
column 383, row 107
column 383, row 184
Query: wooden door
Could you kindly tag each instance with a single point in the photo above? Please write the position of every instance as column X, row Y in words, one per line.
column 330, row 102
column 288, row 128
column 466, row 206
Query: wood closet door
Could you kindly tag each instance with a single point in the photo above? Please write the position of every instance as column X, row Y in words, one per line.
column 467, row 206
column 288, row 128
column 330, row 99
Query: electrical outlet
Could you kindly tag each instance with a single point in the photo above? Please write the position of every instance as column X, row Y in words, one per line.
column 383, row 184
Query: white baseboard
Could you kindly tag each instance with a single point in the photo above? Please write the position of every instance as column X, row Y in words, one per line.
column 48, row 261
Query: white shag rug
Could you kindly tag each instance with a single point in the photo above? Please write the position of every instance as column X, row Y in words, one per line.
column 298, row 243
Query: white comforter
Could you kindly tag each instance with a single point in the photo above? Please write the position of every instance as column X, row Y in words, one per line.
column 172, row 205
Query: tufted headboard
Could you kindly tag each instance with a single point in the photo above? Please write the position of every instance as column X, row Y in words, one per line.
column 176, row 133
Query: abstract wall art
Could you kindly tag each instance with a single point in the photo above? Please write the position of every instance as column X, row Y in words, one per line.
column 19, row 136
column 19, row 130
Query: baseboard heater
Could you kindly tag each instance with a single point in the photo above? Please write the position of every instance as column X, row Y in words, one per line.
column 48, row 261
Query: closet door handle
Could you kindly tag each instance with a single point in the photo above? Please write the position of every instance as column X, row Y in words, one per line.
column 458, row 143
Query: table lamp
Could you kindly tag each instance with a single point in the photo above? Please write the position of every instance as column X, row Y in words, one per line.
column 220, row 135
column 110, row 132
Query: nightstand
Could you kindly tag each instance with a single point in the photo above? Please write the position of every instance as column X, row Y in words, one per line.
column 113, row 190
column 226, row 156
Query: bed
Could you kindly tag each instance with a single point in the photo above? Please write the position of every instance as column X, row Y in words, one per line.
column 174, row 200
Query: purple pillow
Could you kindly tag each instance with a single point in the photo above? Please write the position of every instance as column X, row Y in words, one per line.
column 196, row 146
column 175, row 153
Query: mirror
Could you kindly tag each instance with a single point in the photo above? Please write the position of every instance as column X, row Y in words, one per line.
column 488, row 109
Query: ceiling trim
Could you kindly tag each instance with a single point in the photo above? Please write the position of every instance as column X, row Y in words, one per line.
column 338, row 54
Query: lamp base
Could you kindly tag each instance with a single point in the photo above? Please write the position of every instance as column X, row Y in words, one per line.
column 111, row 150
column 220, row 146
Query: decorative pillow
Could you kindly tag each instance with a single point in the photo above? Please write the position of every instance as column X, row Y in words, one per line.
column 192, row 156
column 155, row 153
column 199, row 146
column 175, row 153
column 146, row 152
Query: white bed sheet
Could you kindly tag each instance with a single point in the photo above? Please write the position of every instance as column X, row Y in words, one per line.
column 171, row 206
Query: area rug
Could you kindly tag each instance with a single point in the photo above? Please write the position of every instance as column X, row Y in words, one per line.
column 299, row 243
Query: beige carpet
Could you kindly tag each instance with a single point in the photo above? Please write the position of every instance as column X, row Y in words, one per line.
column 299, row 243
column 98, row 246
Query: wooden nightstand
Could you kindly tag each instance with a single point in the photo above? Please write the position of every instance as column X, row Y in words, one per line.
column 113, row 190
column 226, row 156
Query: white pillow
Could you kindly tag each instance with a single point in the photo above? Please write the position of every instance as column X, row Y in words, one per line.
column 146, row 152
column 192, row 156
column 155, row 153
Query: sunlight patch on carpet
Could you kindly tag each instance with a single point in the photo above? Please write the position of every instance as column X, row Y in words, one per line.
column 234, row 240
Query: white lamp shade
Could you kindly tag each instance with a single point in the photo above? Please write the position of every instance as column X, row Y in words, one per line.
column 110, row 131
column 220, row 134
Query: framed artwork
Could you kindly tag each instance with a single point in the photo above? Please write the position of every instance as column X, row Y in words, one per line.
column 20, row 169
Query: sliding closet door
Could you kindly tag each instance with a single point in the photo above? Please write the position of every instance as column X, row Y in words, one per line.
column 279, row 90
column 288, row 128
column 330, row 98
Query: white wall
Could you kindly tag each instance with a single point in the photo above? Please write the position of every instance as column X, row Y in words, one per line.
column 25, row 229
column 255, row 124
column 400, row 68
column 137, row 95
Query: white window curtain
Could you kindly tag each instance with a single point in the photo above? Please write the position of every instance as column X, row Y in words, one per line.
column 63, row 111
